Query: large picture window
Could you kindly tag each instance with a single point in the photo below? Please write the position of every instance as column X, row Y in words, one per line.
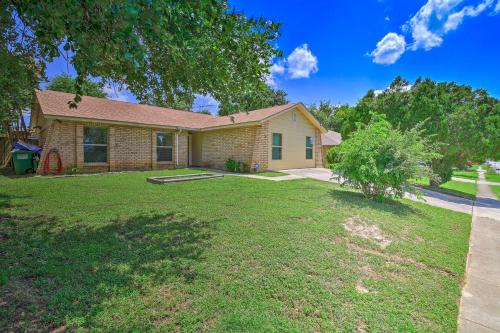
column 277, row 146
column 309, row 148
column 95, row 145
column 164, row 148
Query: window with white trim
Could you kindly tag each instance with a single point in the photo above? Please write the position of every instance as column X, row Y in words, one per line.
column 95, row 144
column 164, row 147
column 277, row 146
column 309, row 148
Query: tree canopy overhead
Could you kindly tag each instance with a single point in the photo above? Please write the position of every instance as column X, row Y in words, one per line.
column 161, row 51
column 465, row 121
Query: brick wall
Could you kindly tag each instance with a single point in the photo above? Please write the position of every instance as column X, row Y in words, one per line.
column 261, row 147
column 318, row 149
column 60, row 136
column 183, row 149
column 129, row 148
column 234, row 143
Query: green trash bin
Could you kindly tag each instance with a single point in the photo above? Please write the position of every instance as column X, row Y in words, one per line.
column 23, row 161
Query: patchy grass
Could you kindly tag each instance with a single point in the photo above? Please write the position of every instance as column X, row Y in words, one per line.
column 452, row 187
column 496, row 190
column 115, row 253
column 465, row 174
column 271, row 174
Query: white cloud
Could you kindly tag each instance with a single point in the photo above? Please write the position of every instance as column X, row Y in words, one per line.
column 438, row 17
column 428, row 26
column 401, row 89
column 275, row 70
column 116, row 94
column 455, row 19
column 389, row 49
column 302, row 63
column 387, row 18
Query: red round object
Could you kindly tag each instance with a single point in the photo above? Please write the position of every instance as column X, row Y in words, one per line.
column 47, row 168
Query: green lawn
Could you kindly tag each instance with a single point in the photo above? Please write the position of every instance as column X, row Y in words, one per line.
column 452, row 187
column 271, row 174
column 465, row 174
column 496, row 190
column 113, row 253
column 492, row 177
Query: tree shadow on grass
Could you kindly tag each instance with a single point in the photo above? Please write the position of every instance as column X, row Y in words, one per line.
column 59, row 270
column 356, row 200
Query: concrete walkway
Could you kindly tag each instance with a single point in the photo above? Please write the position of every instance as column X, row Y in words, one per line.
column 479, row 181
column 480, row 303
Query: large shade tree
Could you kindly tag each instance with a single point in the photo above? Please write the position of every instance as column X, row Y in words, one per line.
column 464, row 121
column 325, row 112
column 252, row 100
column 161, row 51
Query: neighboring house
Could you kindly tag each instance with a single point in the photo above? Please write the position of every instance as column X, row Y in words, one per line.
column 108, row 135
column 328, row 140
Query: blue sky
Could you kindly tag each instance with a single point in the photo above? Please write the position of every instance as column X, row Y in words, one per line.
column 337, row 50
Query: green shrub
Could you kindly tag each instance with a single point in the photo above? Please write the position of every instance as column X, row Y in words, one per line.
column 244, row 167
column 236, row 166
column 71, row 171
column 382, row 161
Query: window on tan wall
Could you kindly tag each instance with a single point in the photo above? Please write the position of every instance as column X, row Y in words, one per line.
column 277, row 146
column 95, row 144
column 164, row 147
column 309, row 148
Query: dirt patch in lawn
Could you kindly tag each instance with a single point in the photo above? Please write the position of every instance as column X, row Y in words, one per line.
column 389, row 257
column 361, row 228
column 361, row 288
column 177, row 307
column 397, row 259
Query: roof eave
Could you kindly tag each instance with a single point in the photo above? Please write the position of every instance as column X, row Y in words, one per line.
column 116, row 122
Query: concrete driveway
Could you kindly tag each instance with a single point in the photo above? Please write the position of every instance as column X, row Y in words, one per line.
column 315, row 173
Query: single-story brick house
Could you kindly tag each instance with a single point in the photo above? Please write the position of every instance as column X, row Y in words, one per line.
column 329, row 140
column 107, row 135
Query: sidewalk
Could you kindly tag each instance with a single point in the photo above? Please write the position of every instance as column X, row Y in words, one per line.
column 479, row 181
column 480, row 303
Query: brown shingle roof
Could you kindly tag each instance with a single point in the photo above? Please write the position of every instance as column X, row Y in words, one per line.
column 55, row 104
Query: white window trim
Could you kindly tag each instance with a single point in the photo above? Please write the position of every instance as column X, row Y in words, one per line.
column 96, row 145
column 312, row 148
column 161, row 147
column 274, row 146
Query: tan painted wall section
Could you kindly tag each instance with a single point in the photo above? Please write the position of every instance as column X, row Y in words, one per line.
column 294, row 130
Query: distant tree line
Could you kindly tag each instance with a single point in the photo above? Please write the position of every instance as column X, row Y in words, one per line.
column 464, row 122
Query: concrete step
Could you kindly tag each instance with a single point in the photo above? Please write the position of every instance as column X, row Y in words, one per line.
column 182, row 178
